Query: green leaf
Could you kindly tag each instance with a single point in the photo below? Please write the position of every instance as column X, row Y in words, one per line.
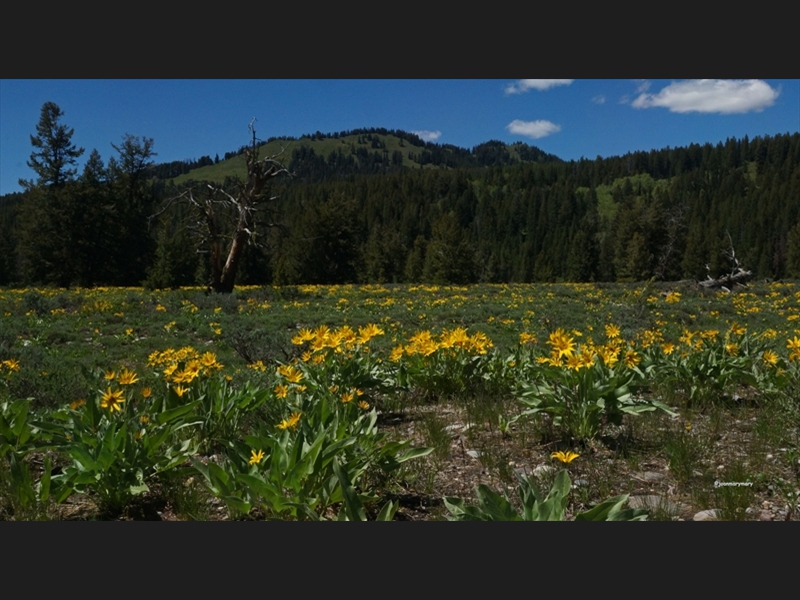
column 495, row 506
column 237, row 504
column 176, row 413
column 352, row 504
column 139, row 489
column 413, row 453
column 44, row 483
column 86, row 461
column 388, row 511
column 603, row 510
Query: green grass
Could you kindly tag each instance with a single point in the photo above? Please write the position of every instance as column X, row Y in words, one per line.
column 58, row 336
column 282, row 149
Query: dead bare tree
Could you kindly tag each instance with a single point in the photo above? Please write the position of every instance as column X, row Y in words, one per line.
column 737, row 276
column 224, row 222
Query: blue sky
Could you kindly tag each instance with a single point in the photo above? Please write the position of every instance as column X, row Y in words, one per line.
column 569, row 118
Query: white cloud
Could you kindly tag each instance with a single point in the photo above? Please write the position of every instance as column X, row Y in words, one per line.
column 711, row 96
column 599, row 99
column 533, row 129
column 525, row 85
column 643, row 86
column 428, row 136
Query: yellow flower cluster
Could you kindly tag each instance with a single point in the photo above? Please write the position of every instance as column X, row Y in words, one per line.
column 291, row 422
column 564, row 352
column 344, row 338
column 423, row 343
column 184, row 365
column 793, row 346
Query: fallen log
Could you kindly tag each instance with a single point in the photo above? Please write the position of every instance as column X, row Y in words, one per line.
column 727, row 282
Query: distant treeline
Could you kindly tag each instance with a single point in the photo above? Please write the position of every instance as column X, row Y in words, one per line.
column 494, row 213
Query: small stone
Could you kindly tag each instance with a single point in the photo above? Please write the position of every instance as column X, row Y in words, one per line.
column 474, row 453
column 580, row 483
column 542, row 469
column 765, row 516
column 711, row 514
column 649, row 476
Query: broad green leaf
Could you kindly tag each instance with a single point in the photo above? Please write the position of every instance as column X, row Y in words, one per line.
column 353, row 507
column 388, row 511
column 44, row 483
column 176, row 413
column 495, row 506
column 602, row 510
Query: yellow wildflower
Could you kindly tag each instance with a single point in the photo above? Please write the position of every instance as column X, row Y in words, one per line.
column 565, row 457
column 127, row 377
column 737, row 329
column 561, row 343
column 12, row 364
column 770, row 358
column 291, row 422
column 209, row 360
column 256, row 457
column 112, row 400
column 632, row 359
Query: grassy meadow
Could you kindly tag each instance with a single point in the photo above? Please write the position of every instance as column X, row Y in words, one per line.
column 396, row 402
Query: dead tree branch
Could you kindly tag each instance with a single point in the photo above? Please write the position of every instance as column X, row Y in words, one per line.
column 218, row 210
column 738, row 275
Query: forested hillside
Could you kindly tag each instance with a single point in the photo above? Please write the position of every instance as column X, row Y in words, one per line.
column 384, row 206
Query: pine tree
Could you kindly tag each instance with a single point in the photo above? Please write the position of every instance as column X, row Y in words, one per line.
column 45, row 227
column 54, row 152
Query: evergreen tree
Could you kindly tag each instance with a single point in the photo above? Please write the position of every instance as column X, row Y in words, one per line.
column 449, row 257
column 46, row 220
column 793, row 252
column 54, row 151
column 415, row 262
column 134, row 204
column 175, row 262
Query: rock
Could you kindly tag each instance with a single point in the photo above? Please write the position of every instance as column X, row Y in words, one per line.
column 580, row 483
column 474, row 453
column 542, row 469
column 711, row 514
column 765, row 516
column 649, row 476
